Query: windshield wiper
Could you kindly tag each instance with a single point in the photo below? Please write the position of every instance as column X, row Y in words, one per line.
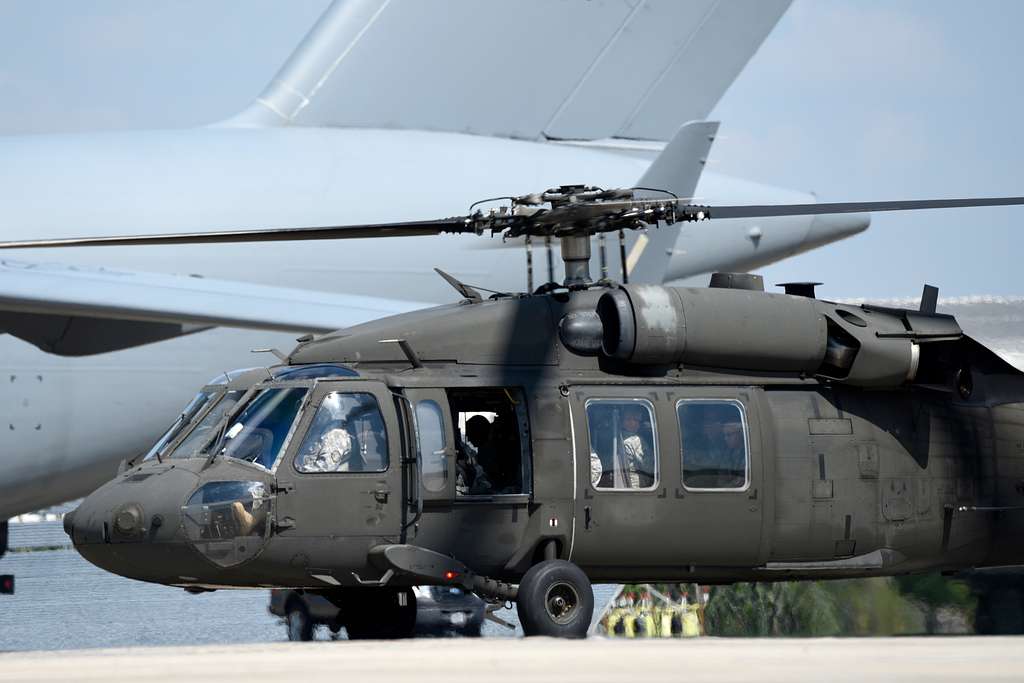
column 183, row 421
column 220, row 435
column 243, row 401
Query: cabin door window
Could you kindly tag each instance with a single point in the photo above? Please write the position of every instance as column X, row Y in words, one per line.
column 347, row 435
column 492, row 442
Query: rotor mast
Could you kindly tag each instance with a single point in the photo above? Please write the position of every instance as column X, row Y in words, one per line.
column 576, row 258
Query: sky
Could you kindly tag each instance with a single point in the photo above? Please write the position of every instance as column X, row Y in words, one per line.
column 853, row 100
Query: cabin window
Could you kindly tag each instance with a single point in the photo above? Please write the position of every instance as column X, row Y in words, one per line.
column 431, row 444
column 347, row 435
column 492, row 433
column 715, row 449
column 623, row 448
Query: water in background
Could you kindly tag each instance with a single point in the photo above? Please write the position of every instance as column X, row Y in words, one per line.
column 63, row 602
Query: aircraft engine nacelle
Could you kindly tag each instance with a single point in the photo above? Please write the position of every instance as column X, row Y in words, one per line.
column 752, row 330
column 724, row 328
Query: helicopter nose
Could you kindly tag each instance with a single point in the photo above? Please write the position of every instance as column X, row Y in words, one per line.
column 120, row 524
column 833, row 227
column 69, row 522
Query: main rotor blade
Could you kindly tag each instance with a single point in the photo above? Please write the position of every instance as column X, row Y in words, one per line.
column 407, row 229
column 767, row 210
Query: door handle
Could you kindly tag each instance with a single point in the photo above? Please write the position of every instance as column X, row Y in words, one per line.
column 586, row 517
column 381, row 495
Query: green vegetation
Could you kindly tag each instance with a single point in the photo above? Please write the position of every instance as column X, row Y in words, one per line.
column 928, row 603
column 923, row 603
column 39, row 548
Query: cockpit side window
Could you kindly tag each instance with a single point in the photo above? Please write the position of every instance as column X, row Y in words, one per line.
column 347, row 435
column 714, row 444
column 623, row 447
column 260, row 430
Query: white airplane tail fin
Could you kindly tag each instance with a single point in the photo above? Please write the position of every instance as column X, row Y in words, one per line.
column 529, row 69
column 677, row 170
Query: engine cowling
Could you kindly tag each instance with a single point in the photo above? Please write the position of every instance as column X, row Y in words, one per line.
column 727, row 328
column 745, row 329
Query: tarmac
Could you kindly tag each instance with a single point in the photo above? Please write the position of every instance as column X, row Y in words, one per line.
column 535, row 660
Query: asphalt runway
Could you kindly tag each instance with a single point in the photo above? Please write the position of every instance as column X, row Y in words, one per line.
column 540, row 659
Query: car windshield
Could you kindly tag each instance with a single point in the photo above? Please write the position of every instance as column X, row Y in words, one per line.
column 206, row 427
column 257, row 434
column 194, row 407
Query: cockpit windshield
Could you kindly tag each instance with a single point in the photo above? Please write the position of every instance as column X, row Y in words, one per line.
column 206, row 428
column 195, row 406
column 258, row 433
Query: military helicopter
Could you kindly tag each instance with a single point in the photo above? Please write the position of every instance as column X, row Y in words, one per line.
column 523, row 446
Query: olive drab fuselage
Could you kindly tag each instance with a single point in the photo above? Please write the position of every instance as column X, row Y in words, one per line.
column 851, row 441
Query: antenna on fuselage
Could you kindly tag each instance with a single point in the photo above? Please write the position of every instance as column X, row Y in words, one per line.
column 551, row 258
column 529, row 263
column 407, row 349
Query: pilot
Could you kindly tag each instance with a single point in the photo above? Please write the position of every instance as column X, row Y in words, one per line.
column 333, row 451
column 247, row 522
column 637, row 454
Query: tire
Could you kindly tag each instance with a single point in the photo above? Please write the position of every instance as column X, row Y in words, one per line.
column 375, row 613
column 297, row 621
column 555, row 599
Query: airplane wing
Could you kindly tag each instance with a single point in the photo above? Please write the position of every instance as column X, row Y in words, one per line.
column 530, row 69
column 75, row 311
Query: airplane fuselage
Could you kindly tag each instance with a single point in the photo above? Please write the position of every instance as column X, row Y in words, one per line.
column 67, row 422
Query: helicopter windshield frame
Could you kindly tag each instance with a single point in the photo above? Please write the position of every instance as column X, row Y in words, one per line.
column 217, row 432
column 199, row 419
column 319, row 389
column 184, row 422
column 221, row 441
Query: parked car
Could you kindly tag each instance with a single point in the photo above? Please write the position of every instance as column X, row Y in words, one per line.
column 440, row 610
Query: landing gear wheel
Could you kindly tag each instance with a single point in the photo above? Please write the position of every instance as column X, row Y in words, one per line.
column 300, row 626
column 378, row 613
column 555, row 599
